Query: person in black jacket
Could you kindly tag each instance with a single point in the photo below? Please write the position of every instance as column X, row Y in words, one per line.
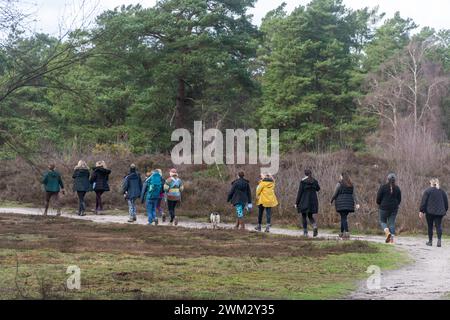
column 435, row 206
column 81, row 185
column 132, row 188
column 240, row 196
column 389, row 197
column 307, row 202
column 99, row 180
column 345, row 201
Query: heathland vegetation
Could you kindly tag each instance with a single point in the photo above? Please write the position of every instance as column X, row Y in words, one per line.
column 349, row 90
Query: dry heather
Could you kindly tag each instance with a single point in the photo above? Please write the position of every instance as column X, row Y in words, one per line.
column 207, row 186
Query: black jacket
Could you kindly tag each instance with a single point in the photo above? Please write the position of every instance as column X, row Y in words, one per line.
column 344, row 198
column 132, row 185
column 389, row 201
column 81, row 180
column 100, row 177
column 307, row 201
column 240, row 192
column 435, row 202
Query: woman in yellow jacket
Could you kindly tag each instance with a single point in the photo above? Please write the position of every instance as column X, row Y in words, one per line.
column 266, row 199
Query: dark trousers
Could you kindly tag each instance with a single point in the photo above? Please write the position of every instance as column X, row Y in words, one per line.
column 437, row 221
column 48, row 197
column 81, row 203
column 98, row 201
column 311, row 219
column 171, row 205
column 261, row 212
column 344, row 221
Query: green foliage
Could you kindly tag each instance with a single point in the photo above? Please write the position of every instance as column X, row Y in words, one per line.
column 388, row 40
column 308, row 86
column 142, row 72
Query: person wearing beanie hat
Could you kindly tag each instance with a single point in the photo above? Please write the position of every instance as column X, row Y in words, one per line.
column 389, row 197
column 131, row 188
column 173, row 187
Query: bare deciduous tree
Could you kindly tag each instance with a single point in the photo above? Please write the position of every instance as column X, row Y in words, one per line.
column 408, row 87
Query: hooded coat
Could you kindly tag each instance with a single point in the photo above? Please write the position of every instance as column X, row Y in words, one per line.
column 387, row 200
column 240, row 192
column 52, row 181
column 434, row 201
column 265, row 193
column 152, row 187
column 100, row 177
column 132, row 185
column 81, row 180
column 307, row 200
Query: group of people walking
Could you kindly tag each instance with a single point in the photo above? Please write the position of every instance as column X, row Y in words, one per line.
column 434, row 204
column 152, row 192
column 155, row 190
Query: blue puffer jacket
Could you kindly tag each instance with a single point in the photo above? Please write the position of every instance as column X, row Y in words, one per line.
column 152, row 187
column 132, row 185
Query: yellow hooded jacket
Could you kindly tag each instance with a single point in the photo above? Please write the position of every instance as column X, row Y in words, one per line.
column 265, row 194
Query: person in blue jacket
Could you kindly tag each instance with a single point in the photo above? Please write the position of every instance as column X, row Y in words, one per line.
column 151, row 191
column 132, row 188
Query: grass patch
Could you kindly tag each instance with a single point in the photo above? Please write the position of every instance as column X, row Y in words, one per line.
column 144, row 262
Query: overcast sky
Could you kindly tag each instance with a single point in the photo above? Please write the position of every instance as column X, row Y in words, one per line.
column 50, row 13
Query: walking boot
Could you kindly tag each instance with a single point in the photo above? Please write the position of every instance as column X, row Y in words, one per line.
column 439, row 244
column 258, row 227
column 242, row 224
column 238, row 223
column 175, row 221
column 429, row 243
column 315, row 232
column 388, row 235
column 305, row 232
column 131, row 219
column 267, row 228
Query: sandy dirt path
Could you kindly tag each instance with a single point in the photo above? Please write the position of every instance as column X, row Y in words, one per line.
column 428, row 277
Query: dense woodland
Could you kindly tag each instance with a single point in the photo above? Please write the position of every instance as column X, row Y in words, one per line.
column 329, row 77
column 325, row 75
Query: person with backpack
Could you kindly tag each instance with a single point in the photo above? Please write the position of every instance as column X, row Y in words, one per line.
column 100, row 183
column 240, row 197
column 150, row 194
column 266, row 200
column 162, row 197
column 345, row 201
column 307, row 202
column 53, row 184
column 81, row 185
column 389, row 197
column 434, row 206
column 132, row 188
column 173, row 188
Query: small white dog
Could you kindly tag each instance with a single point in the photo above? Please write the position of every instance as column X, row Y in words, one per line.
column 215, row 219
